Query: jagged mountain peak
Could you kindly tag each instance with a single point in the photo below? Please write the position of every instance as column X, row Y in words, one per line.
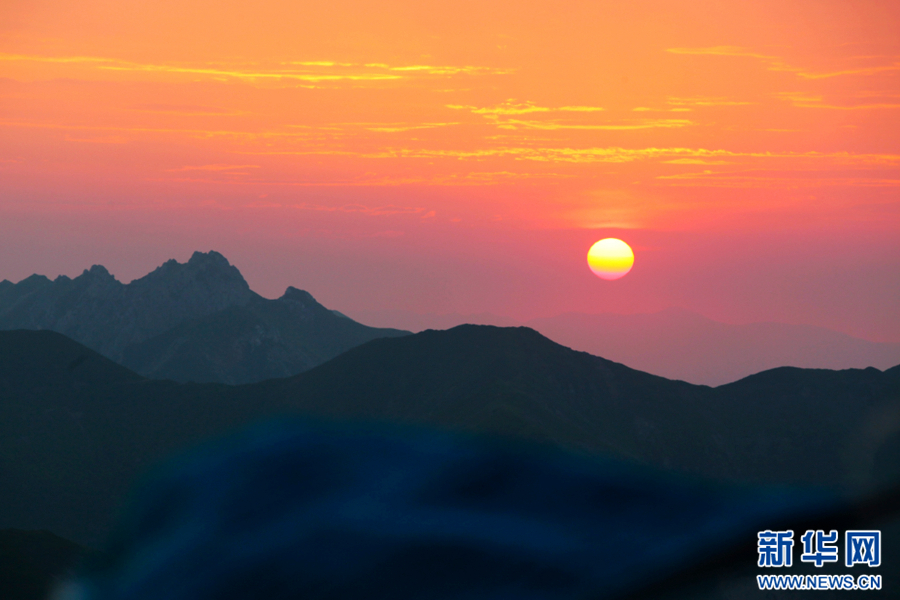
column 210, row 270
column 292, row 294
column 34, row 280
column 208, row 258
column 97, row 274
column 98, row 310
column 211, row 259
column 192, row 321
column 99, row 270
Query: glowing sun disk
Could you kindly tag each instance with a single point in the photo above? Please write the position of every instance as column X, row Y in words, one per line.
column 610, row 258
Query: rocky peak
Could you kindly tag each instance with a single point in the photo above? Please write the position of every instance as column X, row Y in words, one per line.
column 204, row 273
column 176, row 292
column 211, row 258
column 97, row 272
column 94, row 281
column 107, row 315
column 292, row 294
column 34, row 281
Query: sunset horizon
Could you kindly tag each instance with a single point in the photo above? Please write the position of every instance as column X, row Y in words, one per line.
column 463, row 159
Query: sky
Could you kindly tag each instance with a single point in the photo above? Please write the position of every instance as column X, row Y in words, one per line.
column 464, row 156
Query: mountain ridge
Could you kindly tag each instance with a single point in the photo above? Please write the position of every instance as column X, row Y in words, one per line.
column 193, row 321
column 677, row 343
column 70, row 449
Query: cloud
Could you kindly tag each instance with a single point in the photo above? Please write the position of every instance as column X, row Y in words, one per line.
column 695, row 161
column 648, row 109
column 580, row 108
column 399, row 127
column 317, row 63
column 443, row 70
column 54, row 59
column 545, row 154
column 719, row 51
column 805, row 100
column 554, row 125
column 185, row 109
column 513, row 107
column 196, row 133
column 859, row 71
column 780, row 179
column 563, row 154
column 312, row 77
column 775, row 63
column 627, row 155
column 312, row 72
column 501, row 116
column 510, row 107
column 706, row 101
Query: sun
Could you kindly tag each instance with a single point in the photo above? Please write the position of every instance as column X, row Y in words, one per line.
column 610, row 258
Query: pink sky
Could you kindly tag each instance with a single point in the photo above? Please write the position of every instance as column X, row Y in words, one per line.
column 397, row 155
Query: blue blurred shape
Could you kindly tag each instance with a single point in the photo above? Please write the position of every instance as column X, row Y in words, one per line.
column 315, row 510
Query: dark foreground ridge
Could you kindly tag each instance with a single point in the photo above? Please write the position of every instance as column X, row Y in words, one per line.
column 71, row 444
column 313, row 510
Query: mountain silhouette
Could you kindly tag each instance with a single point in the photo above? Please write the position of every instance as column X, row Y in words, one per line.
column 680, row 344
column 197, row 321
column 783, row 425
column 33, row 360
column 70, row 444
column 677, row 343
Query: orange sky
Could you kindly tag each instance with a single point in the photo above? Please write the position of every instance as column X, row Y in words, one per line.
column 463, row 157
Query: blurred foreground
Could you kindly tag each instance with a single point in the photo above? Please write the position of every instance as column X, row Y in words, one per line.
column 314, row 510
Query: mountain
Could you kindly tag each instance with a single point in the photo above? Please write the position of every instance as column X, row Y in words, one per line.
column 784, row 425
column 261, row 339
column 31, row 361
column 71, row 444
column 678, row 344
column 107, row 315
column 197, row 321
column 200, row 321
column 412, row 321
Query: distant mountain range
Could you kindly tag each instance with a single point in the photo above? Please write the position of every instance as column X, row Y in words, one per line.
column 678, row 344
column 200, row 321
column 417, row 322
column 197, row 321
column 76, row 428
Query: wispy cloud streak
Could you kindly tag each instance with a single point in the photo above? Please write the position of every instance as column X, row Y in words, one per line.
column 776, row 63
column 298, row 71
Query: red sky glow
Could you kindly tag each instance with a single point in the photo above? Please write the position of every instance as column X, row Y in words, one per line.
column 462, row 157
